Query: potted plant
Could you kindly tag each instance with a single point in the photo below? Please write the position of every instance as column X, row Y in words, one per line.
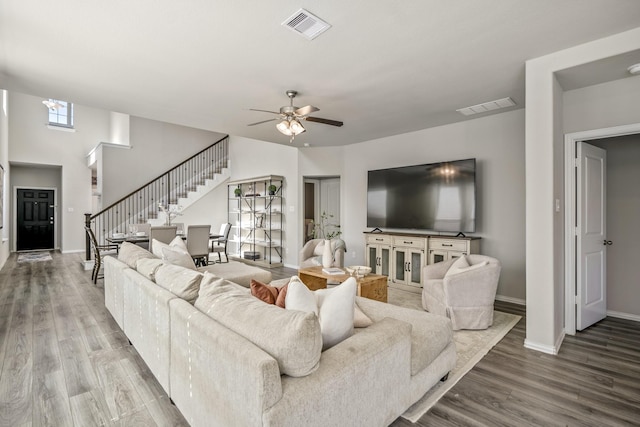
column 327, row 231
column 237, row 191
column 272, row 189
column 324, row 229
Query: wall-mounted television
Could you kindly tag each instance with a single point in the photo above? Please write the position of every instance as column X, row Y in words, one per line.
column 435, row 197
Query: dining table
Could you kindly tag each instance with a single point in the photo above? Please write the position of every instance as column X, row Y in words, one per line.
column 139, row 238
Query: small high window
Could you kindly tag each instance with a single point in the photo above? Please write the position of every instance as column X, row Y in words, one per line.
column 60, row 113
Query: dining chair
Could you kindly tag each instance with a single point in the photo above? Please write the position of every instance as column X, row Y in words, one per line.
column 99, row 252
column 180, row 229
column 198, row 243
column 219, row 245
column 162, row 233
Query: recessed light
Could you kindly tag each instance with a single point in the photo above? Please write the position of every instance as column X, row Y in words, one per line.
column 634, row 69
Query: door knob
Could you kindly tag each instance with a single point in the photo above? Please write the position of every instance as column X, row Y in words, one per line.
column 608, row 243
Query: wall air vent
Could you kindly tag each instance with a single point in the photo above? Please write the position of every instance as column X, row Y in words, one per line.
column 487, row 106
column 306, row 24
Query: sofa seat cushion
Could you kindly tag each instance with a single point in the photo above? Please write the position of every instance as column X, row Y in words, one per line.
column 180, row 281
column 430, row 333
column 238, row 272
column 130, row 254
column 292, row 338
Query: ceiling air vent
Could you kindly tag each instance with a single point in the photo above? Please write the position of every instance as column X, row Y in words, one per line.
column 306, row 24
column 487, row 106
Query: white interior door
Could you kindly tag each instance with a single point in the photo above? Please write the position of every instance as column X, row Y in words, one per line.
column 591, row 256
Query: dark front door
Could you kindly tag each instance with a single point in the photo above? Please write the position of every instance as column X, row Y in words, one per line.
column 35, row 219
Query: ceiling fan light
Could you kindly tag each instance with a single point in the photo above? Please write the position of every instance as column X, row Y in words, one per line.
column 283, row 127
column 296, row 127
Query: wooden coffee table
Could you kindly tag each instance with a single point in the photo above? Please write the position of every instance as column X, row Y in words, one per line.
column 372, row 286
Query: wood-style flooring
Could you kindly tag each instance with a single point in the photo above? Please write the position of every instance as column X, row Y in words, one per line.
column 65, row 362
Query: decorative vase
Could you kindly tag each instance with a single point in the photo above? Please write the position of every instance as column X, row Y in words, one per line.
column 327, row 257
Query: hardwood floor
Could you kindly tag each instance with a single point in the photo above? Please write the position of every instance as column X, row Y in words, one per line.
column 65, row 362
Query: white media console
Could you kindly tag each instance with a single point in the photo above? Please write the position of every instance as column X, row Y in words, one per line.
column 401, row 256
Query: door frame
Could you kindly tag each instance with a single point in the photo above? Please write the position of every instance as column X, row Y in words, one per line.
column 570, row 197
column 14, row 222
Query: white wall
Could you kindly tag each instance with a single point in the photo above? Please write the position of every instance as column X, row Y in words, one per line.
column 544, row 105
column 251, row 158
column 155, row 148
column 4, row 161
column 31, row 142
column 601, row 106
column 497, row 143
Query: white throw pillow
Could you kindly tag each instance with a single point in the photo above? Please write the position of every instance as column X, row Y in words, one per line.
column 461, row 265
column 334, row 307
column 177, row 257
column 178, row 243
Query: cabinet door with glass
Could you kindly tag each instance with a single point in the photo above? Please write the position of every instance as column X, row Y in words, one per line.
column 407, row 266
column 379, row 259
column 378, row 254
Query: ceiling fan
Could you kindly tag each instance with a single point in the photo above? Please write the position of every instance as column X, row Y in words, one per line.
column 290, row 117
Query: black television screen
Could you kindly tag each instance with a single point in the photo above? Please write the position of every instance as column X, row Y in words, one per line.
column 436, row 196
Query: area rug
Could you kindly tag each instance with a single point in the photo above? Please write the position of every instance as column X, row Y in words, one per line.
column 34, row 257
column 471, row 347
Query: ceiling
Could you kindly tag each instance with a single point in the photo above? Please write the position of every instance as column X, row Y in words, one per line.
column 384, row 68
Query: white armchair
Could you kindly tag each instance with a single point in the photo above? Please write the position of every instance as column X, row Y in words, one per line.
column 463, row 289
column 311, row 253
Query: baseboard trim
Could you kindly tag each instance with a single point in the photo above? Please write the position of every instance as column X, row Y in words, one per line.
column 75, row 251
column 553, row 350
column 87, row 265
column 625, row 316
column 511, row 300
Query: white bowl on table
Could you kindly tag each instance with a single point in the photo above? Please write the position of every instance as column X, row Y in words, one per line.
column 141, row 234
column 358, row 270
column 118, row 235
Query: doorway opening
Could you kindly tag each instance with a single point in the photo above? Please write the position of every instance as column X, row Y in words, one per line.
column 572, row 303
column 321, row 194
column 35, row 219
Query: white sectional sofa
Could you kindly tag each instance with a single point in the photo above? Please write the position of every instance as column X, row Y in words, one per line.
column 233, row 360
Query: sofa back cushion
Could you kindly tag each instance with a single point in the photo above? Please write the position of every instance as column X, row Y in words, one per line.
column 130, row 254
column 182, row 282
column 292, row 338
column 148, row 267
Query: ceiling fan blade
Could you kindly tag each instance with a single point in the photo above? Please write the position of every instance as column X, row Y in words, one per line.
column 264, row 111
column 263, row 121
column 306, row 110
column 324, row 121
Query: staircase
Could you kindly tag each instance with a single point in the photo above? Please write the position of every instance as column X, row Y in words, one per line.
column 178, row 188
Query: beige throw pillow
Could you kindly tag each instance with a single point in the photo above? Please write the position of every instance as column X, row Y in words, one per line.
column 180, row 281
column 148, row 267
column 130, row 254
column 461, row 265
